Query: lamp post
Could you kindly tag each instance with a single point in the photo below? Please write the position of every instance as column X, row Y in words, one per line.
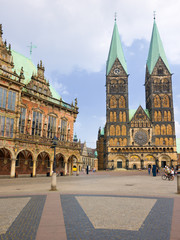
column 53, row 178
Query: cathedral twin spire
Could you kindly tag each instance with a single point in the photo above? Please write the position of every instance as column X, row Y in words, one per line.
column 156, row 50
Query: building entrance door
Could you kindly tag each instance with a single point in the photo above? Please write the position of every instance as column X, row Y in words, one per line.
column 163, row 164
column 119, row 164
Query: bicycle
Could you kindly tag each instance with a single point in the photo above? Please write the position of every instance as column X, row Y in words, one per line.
column 167, row 176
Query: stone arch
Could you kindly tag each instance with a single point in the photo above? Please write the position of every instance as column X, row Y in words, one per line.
column 165, row 101
column 119, row 161
column 164, row 159
column 112, row 130
column 72, row 161
column 118, row 130
column 121, row 102
column 60, row 162
column 43, row 163
column 157, row 102
column 113, row 102
column 24, row 162
column 134, row 160
column 5, row 161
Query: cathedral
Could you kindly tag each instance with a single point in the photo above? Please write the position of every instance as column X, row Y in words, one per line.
column 145, row 137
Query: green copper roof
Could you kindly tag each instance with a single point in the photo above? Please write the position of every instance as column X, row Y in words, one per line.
column 29, row 68
column 156, row 50
column 178, row 144
column 115, row 51
column 133, row 111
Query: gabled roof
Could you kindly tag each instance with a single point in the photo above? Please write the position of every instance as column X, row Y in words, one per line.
column 133, row 111
column 156, row 50
column 115, row 51
column 29, row 68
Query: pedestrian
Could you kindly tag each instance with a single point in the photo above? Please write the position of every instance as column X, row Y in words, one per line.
column 149, row 170
column 87, row 169
column 157, row 170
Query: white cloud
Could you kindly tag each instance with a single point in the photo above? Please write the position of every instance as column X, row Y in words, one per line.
column 76, row 34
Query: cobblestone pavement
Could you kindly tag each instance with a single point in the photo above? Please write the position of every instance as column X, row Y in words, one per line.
column 104, row 205
column 27, row 221
column 156, row 226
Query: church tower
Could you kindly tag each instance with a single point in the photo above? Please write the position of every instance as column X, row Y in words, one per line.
column 159, row 96
column 117, row 108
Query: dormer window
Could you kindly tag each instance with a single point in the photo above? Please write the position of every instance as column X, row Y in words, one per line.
column 160, row 71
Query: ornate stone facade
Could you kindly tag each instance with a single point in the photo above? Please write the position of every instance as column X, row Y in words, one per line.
column 31, row 115
column 141, row 138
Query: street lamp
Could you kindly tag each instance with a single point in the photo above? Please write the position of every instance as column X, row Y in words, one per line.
column 53, row 179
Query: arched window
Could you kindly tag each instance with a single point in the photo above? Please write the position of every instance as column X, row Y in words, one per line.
column 163, row 130
column 121, row 102
column 124, row 116
column 111, row 116
column 165, row 101
column 112, row 130
column 120, row 117
column 114, row 116
column 157, row 102
column 125, row 142
column 169, row 129
column 157, row 130
column 113, row 102
column 123, row 130
column 171, row 141
column 118, row 130
column 159, row 116
column 169, row 116
column 166, row 141
column 157, row 141
column 115, row 142
column 37, row 123
column 51, row 127
column 165, row 116
column 161, row 141
column 111, row 142
column 155, row 116
column 120, row 142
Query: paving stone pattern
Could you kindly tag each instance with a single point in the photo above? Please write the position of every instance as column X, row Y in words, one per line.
column 156, row 226
column 27, row 222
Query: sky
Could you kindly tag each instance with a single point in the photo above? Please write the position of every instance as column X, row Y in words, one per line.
column 72, row 38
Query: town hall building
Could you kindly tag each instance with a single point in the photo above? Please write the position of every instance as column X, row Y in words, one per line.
column 145, row 137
